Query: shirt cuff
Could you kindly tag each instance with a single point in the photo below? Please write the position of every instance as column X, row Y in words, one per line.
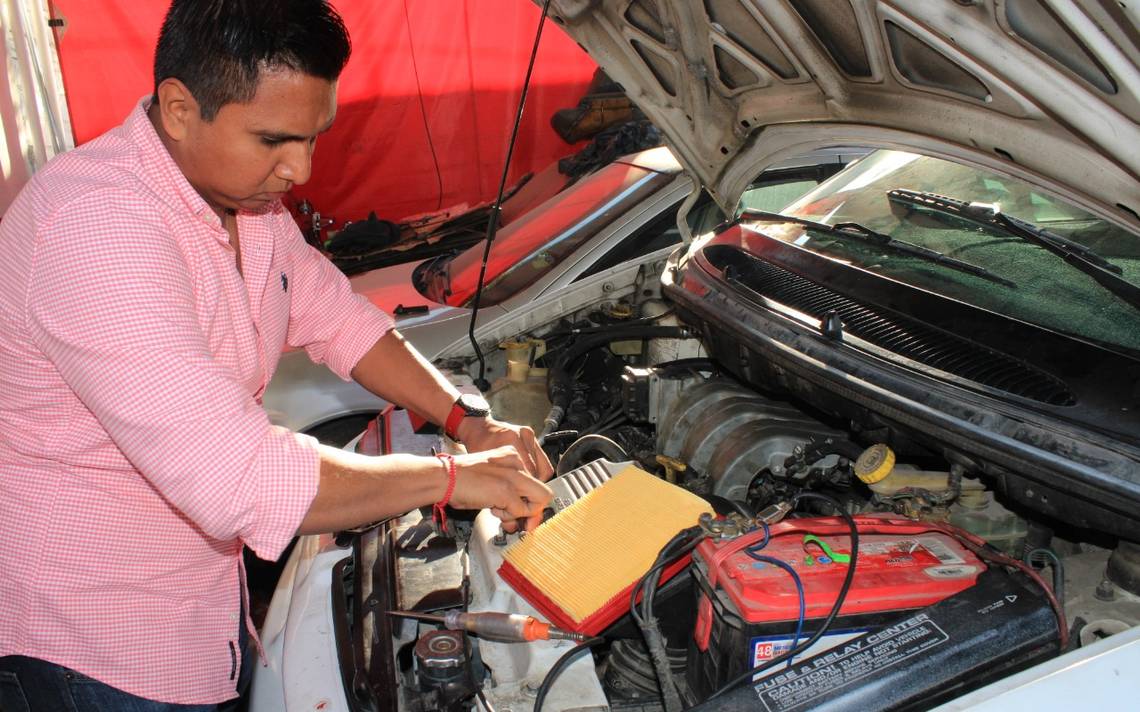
column 285, row 495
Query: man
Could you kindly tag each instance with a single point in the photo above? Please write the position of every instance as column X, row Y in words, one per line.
column 151, row 278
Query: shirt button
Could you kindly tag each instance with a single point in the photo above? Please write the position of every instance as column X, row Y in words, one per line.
column 234, row 616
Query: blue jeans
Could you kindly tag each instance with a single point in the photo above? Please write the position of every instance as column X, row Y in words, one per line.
column 33, row 685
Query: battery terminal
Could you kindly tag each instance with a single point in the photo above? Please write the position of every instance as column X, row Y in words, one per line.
column 773, row 513
column 734, row 524
column 730, row 526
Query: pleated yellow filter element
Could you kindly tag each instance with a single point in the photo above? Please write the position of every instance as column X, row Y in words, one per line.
column 574, row 565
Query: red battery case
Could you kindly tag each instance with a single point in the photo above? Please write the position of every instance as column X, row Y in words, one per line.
column 902, row 565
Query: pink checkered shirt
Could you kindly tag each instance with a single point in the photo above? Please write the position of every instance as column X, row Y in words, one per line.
column 135, row 457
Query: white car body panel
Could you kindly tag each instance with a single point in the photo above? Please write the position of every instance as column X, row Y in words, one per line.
column 303, row 671
column 1099, row 676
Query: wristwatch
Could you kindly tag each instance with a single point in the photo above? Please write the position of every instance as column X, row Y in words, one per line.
column 467, row 405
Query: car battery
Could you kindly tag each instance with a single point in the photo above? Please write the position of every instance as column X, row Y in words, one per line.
column 748, row 610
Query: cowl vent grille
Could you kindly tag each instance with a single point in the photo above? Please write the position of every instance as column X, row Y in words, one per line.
column 898, row 334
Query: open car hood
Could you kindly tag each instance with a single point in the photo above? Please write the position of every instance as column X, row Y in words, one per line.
column 1048, row 90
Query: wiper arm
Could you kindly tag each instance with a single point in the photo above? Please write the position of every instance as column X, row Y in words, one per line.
column 866, row 234
column 1107, row 274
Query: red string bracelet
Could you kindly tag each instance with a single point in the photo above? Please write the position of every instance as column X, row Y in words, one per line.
column 437, row 511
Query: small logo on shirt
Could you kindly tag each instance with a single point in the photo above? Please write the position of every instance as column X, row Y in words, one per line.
column 284, row 283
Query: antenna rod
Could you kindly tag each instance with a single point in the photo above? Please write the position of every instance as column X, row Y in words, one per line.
column 493, row 223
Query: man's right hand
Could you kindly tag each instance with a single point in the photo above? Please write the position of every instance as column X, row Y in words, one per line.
column 356, row 489
column 498, row 479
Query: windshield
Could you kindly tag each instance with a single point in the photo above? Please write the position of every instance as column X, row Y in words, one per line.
column 1037, row 285
column 533, row 245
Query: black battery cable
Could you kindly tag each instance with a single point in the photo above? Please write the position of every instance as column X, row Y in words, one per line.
column 493, row 220
column 682, row 543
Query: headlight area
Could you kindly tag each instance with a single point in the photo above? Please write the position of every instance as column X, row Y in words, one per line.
column 364, row 587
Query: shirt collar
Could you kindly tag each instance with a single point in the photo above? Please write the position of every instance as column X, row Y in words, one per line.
column 165, row 176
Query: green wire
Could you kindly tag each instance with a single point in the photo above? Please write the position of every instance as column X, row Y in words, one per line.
column 835, row 556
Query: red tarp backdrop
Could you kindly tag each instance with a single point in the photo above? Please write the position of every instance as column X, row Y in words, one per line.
column 424, row 74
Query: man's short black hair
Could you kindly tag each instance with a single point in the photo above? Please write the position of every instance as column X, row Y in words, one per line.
column 217, row 48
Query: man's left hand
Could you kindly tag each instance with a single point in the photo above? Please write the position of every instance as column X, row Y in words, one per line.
column 478, row 434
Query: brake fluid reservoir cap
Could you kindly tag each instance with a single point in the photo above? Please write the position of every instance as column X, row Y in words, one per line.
column 875, row 464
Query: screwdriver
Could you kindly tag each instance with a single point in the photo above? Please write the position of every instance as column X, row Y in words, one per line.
column 503, row 627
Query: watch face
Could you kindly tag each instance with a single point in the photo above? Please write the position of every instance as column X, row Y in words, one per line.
column 473, row 404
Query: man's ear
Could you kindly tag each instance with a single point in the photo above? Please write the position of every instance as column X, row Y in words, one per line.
column 177, row 108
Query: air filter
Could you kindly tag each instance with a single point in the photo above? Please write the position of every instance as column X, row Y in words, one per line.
column 578, row 568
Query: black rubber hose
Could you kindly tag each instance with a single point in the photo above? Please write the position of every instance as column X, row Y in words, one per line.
column 575, row 454
column 600, row 328
column 686, row 365
column 593, row 341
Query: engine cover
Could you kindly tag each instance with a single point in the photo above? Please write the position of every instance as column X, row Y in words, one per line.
column 720, row 429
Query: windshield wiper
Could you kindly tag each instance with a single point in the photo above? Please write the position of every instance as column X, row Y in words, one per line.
column 878, row 239
column 1106, row 274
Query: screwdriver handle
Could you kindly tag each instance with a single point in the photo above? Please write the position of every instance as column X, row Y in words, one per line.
column 506, row 627
column 503, row 627
column 535, row 629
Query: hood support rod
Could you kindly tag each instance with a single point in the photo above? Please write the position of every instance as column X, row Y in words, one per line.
column 493, row 223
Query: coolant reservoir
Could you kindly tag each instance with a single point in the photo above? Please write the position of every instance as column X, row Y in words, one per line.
column 979, row 513
column 520, row 402
column 520, row 355
column 520, row 398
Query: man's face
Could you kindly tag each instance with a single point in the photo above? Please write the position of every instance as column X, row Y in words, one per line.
column 252, row 153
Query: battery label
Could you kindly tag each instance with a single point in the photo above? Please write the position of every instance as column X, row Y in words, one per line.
column 765, row 648
column 940, row 550
column 900, row 549
column 958, row 571
column 848, row 663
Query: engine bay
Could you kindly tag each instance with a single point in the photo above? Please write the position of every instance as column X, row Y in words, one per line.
column 623, row 381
